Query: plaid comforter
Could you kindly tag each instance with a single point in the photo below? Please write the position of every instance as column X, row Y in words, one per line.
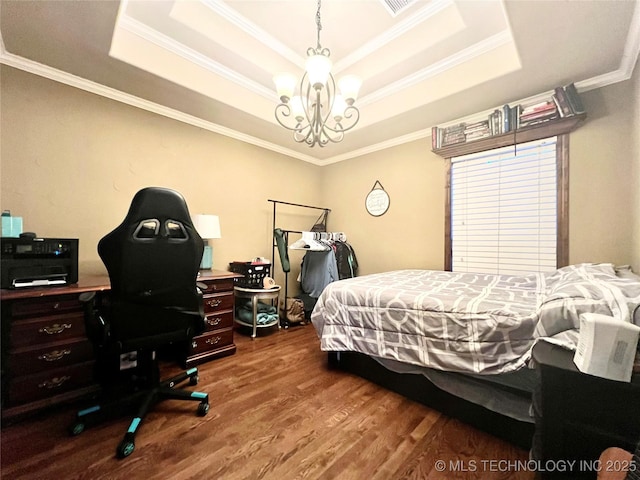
column 467, row 322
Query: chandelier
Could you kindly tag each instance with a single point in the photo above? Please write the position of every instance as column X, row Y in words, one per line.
column 319, row 114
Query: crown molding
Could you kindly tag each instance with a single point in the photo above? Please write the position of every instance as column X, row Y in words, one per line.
column 410, row 137
column 627, row 63
column 147, row 33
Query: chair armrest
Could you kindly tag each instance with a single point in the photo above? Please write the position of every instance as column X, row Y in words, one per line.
column 96, row 326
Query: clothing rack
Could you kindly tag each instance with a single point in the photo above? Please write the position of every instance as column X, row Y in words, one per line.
column 286, row 236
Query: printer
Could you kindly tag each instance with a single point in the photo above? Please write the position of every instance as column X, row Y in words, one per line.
column 29, row 261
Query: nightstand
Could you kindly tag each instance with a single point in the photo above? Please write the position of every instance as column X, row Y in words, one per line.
column 579, row 415
column 217, row 339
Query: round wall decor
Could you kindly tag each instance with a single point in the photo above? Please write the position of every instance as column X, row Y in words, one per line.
column 377, row 201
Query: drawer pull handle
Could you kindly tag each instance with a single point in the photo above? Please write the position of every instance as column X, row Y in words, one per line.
column 214, row 321
column 54, row 355
column 214, row 303
column 194, row 344
column 55, row 382
column 213, row 341
column 55, row 328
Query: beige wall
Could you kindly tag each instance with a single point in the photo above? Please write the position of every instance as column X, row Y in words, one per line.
column 602, row 179
column 71, row 161
column 411, row 233
column 635, row 170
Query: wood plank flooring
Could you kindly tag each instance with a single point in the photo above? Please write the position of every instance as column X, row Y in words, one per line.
column 277, row 413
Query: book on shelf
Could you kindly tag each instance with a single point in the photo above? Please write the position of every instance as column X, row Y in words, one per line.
column 562, row 102
column 496, row 122
column 574, row 99
column 516, row 111
column 478, row 135
column 538, row 121
column 506, row 118
column 538, row 107
column 442, row 137
column 526, row 118
column 453, row 138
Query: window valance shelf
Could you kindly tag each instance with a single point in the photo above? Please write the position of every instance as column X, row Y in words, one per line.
column 526, row 134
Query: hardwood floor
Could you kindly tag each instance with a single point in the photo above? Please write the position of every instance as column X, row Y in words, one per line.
column 277, row 412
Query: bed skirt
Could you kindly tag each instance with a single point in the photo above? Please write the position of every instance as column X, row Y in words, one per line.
column 418, row 388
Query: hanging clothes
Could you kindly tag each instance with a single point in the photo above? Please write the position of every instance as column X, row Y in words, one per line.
column 281, row 242
column 346, row 260
column 319, row 269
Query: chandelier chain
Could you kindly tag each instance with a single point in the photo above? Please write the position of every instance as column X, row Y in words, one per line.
column 319, row 25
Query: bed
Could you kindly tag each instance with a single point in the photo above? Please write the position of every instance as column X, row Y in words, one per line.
column 461, row 342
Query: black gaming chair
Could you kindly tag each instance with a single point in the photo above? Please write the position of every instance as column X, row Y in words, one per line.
column 153, row 259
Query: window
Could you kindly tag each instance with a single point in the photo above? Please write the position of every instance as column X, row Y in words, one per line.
column 507, row 208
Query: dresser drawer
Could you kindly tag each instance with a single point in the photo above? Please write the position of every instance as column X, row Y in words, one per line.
column 45, row 306
column 45, row 384
column 219, row 321
column 218, row 303
column 30, row 360
column 214, row 286
column 211, row 341
column 47, row 329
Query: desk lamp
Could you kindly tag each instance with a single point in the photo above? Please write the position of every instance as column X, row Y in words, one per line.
column 208, row 227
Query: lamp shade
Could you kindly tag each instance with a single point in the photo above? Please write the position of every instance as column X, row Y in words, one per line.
column 208, row 226
column 318, row 69
column 339, row 106
column 297, row 109
column 349, row 87
column 285, row 84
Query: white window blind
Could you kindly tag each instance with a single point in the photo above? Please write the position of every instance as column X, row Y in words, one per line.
column 504, row 209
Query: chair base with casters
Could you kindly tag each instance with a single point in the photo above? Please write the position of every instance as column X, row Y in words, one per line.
column 140, row 400
column 133, row 391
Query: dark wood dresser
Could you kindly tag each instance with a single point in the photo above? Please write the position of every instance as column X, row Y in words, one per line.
column 217, row 339
column 47, row 358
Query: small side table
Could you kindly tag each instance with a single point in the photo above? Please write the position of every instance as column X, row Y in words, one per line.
column 256, row 294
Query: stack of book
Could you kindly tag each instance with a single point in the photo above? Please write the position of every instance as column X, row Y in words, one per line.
column 568, row 101
column 453, row 134
column 476, row 130
column 538, row 113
